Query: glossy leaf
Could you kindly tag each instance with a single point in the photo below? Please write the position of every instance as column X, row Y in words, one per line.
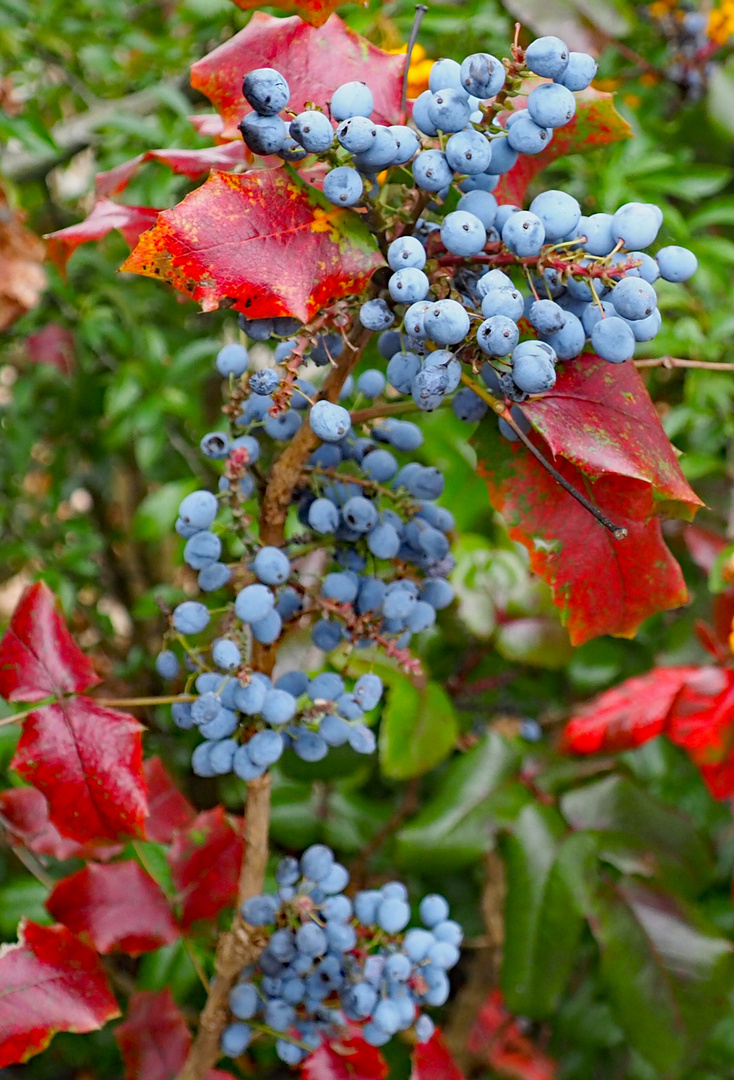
column 105, row 217
column 189, row 163
column 87, row 761
column 265, row 241
column 596, row 123
column 600, row 585
column 433, row 1060
column 49, row 982
column 314, row 62
column 637, row 834
column 168, row 809
column 38, row 656
column 419, row 729
column 667, row 973
column 455, row 827
column 117, row 907
column 347, row 1058
column 53, row 344
column 205, row 865
column 26, row 821
column 542, row 922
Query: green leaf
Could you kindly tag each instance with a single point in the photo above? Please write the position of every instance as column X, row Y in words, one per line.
column 419, row 729
column 667, row 972
column 543, row 921
column 23, row 898
column 639, row 835
column 457, row 826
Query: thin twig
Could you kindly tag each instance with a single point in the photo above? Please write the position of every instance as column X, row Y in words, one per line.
column 671, row 362
column 31, row 863
column 420, row 11
column 499, row 407
column 376, row 412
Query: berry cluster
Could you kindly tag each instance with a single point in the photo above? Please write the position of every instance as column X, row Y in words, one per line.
column 331, row 960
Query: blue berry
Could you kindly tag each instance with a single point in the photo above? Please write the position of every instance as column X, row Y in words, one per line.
column 482, row 75
column 190, row 617
column 351, row 99
column 343, row 186
column 232, row 360
column 547, row 57
column 313, row 130
column 329, row 421
column 266, row 91
column 676, row 263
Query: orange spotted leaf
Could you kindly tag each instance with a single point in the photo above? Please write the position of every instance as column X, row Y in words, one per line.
column 265, row 242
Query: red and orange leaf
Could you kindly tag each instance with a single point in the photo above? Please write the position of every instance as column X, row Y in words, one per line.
column 205, row 863
column 628, row 715
column 599, row 416
column 117, row 907
column 596, row 123
column 346, row 1058
column 601, row 585
column 154, row 1038
column 432, row 1060
column 88, row 762
column 190, row 163
column 49, row 982
column 314, row 61
column 54, row 345
column 168, row 809
column 38, row 656
column 26, row 822
column 314, row 12
column 104, row 218
column 264, row 241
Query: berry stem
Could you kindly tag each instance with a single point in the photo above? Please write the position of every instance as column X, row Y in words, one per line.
column 671, row 362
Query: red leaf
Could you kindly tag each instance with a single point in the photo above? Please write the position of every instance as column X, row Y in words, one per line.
column 38, row 656
column 600, row 418
column 154, row 1038
column 168, row 809
column 702, row 722
column 191, row 163
column 205, row 865
column 498, row 1039
column 628, row 715
column 115, row 907
column 347, row 1058
column 596, row 123
column 208, row 125
column 54, row 345
column 268, row 242
column 315, row 12
column 49, row 982
column 704, row 546
column 105, row 217
column 314, row 61
column 432, row 1060
column 25, row 811
column 87, row 761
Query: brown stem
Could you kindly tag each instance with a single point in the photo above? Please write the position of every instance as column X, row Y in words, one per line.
column 376, row 412
column 671, row 362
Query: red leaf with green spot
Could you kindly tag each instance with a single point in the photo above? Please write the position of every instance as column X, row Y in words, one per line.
column 265, row 241
column 205, row 865
column 596, row 123
column 106, row 216
column 117, row 907
column 49, row 982
column 87, row 761
column 314, row 62
column 38, row 656
column 190, row 163
column 168, row 809
column 346, row 1058
column 432, row 1060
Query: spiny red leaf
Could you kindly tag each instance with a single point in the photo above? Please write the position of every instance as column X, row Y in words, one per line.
column 497, row 1039
column 190, row 163
column 702, row 722
column 49, row 982
column 601, row 585
column 104, row 218
column 314, row 61
column 25, row 811
column 264, row 240
column 88, row 762
column 596, row 123
column 205, row 865
column 314, row 12
column 432, row 1060
column 168, row 809
column 117, row 907
column 628, row 715
column 599, row 416
column 53, row 345
column 38, row 656
column 346, row 1058
column 154, row 1038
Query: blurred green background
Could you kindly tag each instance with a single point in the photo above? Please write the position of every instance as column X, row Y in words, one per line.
column 94, row 461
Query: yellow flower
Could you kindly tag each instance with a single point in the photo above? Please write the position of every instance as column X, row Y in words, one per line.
column 420, row 67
